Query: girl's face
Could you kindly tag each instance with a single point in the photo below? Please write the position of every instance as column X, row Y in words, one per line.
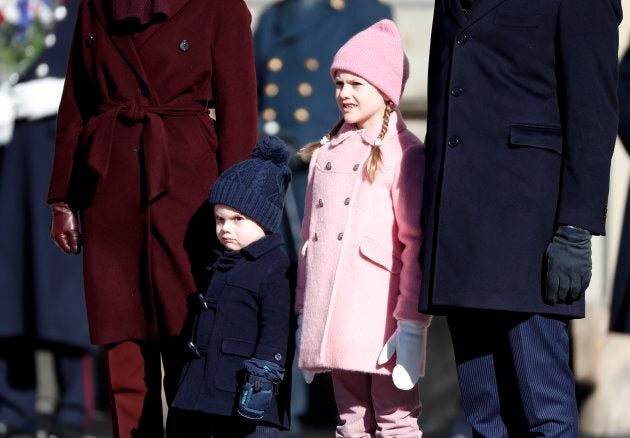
column 359, row 101
column 234, row 229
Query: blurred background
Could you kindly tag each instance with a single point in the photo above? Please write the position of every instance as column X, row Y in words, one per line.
column 294, row 47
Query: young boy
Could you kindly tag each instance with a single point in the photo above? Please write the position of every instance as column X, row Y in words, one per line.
column 233, row 385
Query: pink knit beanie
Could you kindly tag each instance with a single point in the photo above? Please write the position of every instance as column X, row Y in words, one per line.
column 376, row 54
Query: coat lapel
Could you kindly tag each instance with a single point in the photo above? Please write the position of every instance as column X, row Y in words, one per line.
column 480, row 10
column 174, row 7
column 457, row 12
column 122, row 42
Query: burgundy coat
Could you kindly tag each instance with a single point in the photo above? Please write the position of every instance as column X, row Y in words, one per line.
column 137, row 152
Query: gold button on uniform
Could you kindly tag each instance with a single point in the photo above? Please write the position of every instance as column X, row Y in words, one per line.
column 278, row 356
column 269, row 114
column 355, row 167
column 274, row 64
column 346, row 201
column 328, row 166
column 312, row 64
column 339, row 236
column 320, row 203
column 271, row 90
column 301, row 115
column 338, row 4
column 305, row 89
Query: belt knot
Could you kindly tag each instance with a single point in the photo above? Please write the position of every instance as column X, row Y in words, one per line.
column 133, row 112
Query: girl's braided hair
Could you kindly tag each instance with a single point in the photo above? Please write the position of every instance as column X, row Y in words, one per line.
column 375, row 155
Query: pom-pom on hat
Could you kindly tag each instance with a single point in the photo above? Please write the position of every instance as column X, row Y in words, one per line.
column 376, row 54
column 257, row 187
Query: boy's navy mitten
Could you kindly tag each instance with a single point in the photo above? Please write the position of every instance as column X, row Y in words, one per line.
column 262, row 382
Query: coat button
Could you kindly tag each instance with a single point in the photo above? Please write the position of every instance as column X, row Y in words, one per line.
column 320, row 203
column 271, row 89
column 454, row 141
column 346, row 201
column 278, row 356
column 274, row 64
column 311, row 64
column 89, row 40
column 301, row 115
column 305, row 89
column 269, row 114
column 462, row 39
column 339, row 236
column 355, row 167
column 271, row 127
column 338, row 4
column 42, row 70
column 328, row 166
column 184, row 45
column 457, row 91
column 315, row 238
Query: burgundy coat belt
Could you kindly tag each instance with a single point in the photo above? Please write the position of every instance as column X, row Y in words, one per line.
column 154, row 138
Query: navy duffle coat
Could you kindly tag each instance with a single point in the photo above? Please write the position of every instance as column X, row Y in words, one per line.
column 249, row 315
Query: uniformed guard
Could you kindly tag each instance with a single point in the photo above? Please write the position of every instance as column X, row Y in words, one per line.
column 41, row 292
column 295, row 41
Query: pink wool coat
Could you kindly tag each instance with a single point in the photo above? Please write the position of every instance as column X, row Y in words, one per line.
column 359, row 270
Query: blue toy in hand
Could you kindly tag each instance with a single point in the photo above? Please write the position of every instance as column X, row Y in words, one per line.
column 262, row 382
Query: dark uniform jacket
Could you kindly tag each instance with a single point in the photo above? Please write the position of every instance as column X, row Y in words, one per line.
column 41, row 288
column 250, row 315
column 295, row 42
column 137, row 153
column 522, row 120
column 620, row 310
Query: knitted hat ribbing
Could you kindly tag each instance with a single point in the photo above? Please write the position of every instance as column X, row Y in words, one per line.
column 376, row 54
column 257, row 187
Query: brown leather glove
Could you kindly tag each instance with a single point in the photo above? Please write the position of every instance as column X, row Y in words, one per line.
column 64, row 228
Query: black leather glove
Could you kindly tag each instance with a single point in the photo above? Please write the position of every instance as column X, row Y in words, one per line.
column 569, row 264
column 263, row 381
column 64, row 228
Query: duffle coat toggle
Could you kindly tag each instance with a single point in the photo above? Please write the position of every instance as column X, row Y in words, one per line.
column 225, row 261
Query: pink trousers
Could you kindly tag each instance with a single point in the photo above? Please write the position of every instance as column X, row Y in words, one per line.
column 370, row 406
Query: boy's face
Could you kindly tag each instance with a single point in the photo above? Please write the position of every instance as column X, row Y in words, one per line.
column 235, row 230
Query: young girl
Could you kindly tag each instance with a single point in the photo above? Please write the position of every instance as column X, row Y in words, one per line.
column 359, row 274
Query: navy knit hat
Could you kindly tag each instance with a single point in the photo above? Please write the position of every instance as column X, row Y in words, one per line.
column 256, row 187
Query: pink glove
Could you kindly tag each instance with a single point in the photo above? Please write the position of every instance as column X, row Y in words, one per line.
column 64, row 228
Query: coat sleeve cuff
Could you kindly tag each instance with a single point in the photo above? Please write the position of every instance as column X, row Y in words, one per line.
column 592, row 220
column 270, row 353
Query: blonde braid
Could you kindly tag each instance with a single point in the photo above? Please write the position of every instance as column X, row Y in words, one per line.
column 306, row 152
column 375, row 155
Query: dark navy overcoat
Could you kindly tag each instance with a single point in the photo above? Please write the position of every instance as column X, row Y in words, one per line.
column 522, row 122
column 620, row 310
column 249, row 315
column 41, row 289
